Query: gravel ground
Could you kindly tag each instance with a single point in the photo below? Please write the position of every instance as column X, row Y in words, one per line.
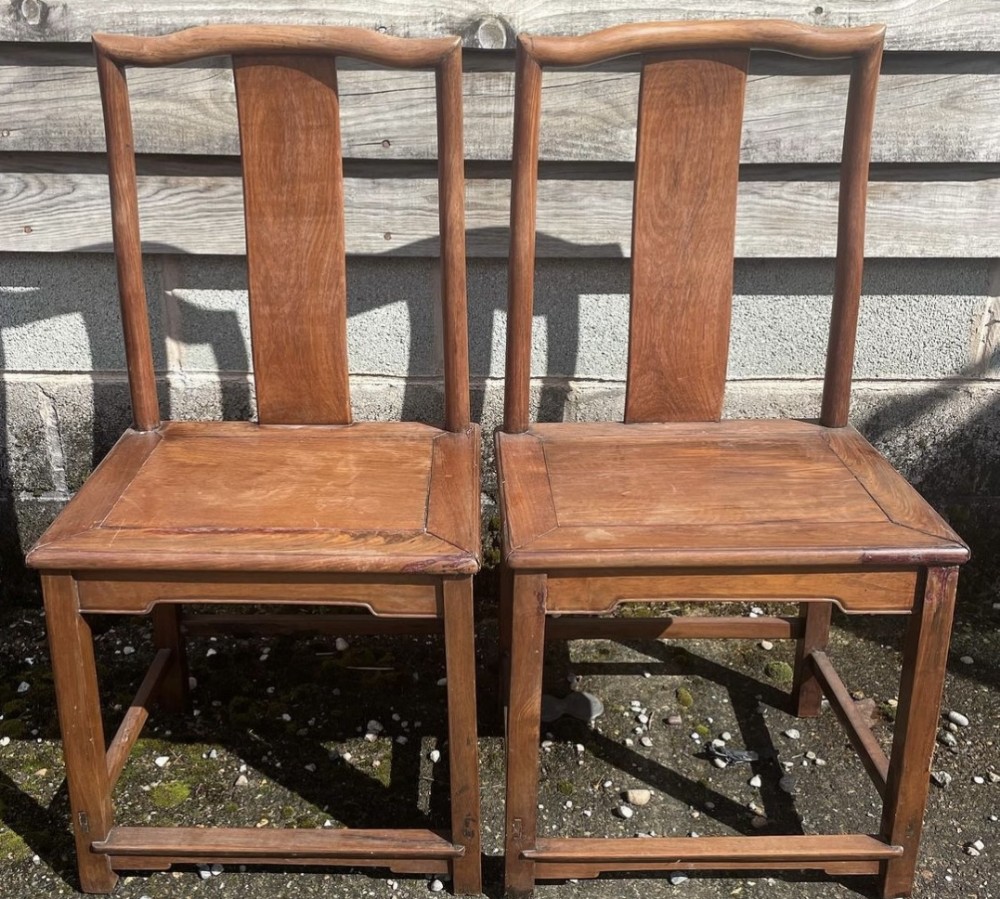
column 278, row 738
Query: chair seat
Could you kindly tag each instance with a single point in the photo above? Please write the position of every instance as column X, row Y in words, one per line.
column 732, row 493
column 236, row 496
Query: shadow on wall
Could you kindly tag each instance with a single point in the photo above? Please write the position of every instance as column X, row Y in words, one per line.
column 205, row 334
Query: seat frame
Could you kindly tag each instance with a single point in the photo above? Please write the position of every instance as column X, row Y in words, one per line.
column 301, row 382
column 677, row 366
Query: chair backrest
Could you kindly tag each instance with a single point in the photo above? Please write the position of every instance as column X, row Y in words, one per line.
column 684, row 209
column 289, row 124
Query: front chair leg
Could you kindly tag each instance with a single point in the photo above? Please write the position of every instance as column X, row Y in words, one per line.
column 807, row 694
column 174, row 694
column 78, row 702
column 523, row 730
column 925, row 656
column 463, row 745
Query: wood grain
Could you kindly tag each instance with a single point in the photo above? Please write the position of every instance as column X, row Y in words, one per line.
column 294, row 204
column 389, row 115
column 852, row 590
column 576, row 219
column 683, row 224
column 956, row 25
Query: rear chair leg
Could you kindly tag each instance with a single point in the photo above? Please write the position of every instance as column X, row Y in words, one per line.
column 807, row 695
column 523, row 729
column 174, row 694
column 506, row 625
column 925, row 654
column 78, row 702
column 463, row 746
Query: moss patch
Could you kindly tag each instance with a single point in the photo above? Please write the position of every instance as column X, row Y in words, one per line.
column 779, row 672
column 170, row 794
column 684, row 698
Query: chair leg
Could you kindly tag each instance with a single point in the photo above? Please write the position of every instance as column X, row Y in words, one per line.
column 925, row 655
column 807, row 695
column 463, row 745
column 173, row 694
column 506, row 625
column 523, row 730
column 78, row 702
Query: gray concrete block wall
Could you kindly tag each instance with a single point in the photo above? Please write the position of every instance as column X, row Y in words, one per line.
column 927, row 389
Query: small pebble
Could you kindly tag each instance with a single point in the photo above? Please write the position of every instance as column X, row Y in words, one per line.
column 161, row 761
column 625, row 812
column 204, row 872
column 436, row 886
column 434, row 755
column 792, row 734
column 677, row 879
column 766, row 644
column 341, row 644
column 23, row 687
column 675, row 720
column 216, row 870
column 128, row 650
column 967, row 660
column 646, row 741
column 629, row 741
column 948, row 738
column 755, row 781
column 442, row 681
column 978, row 779
column 978, row 844
column 958, row 718
column 759, row 822
column 310, row 767
column 971, row 850
column 4, row 741
column 210, row 652
column 579, row 748
column 638, row 797
column 725, row 735
column 241, row 781
column 941, row 778
column 811, row 755
column 719, row 763
column 993, row 777
column 643, row 719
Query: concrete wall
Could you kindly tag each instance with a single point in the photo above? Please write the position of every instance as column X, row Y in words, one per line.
column 926, row 391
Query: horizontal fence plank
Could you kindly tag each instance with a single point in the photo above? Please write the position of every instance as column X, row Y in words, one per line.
column 955, row 25
column 589, row 116
column 69, row 212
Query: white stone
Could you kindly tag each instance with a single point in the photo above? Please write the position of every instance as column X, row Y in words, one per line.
column 638, row 797
column 210, row 652
column 646, row 741
column 625, row 812
column 4, row 741
column 241, row 781
column 766, row 644
column 792, row 733
column 958, row 718
column 726, row 735
column 23, row 687
column 436, row 886
column 341, row 644
column 434, row 755
column 719, row 763
column 677, row 879
column 216, row 870
column 755, row 781
column 579, row 748
column 967, row 660
column 204, row 872
column 161, row 761
column 442, row 681
column 643, row 719
column 978, row 779
column 128, row 650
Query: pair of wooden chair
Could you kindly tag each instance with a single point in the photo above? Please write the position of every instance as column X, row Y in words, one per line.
column 305, row 507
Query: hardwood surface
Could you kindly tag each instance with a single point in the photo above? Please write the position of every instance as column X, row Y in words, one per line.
column 237, row 496
column 683, row 226
column 730, row 493
column 301, row 507
column 674, row 504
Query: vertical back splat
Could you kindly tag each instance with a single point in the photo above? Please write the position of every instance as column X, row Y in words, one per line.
column 293, row 189
column 683, row 227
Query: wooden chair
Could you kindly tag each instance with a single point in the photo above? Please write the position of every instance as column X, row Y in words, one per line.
column 674, row 504
column 303, row 507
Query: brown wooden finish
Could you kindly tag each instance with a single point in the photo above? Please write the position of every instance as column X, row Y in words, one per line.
column 804, row 850
column 128, row 249
column 136, row 717
column 204, row 844
column 807, row 693
column 925, row 656
column 691, row 627
column 293, row 187
column 852, row 589
column 683, row 231
column 300, row 508
column 865, row 743
column 75, row 676
column 674, row 504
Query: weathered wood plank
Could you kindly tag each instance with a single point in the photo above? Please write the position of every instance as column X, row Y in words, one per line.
column 955, row 25
column 591, row 116
column 69, row 212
